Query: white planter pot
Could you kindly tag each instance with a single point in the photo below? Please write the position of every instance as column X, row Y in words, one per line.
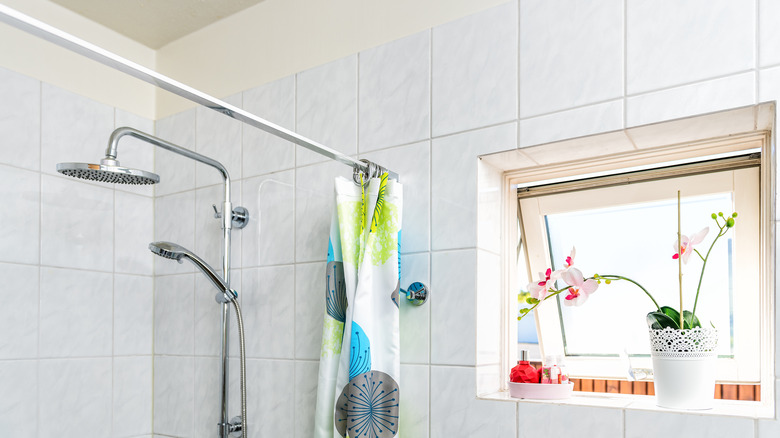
column 684, row 367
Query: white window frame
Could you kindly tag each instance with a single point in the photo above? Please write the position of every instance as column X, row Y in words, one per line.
column 743, row 367
column 635, row 148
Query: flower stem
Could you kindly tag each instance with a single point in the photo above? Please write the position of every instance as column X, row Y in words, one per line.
column 679, row 258
column 620, row 277
column 721, row 232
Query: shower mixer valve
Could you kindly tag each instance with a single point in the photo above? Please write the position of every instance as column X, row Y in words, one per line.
column 239, row 219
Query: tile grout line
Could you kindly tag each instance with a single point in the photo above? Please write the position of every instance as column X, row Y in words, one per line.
column 430, row 224
column 625, row 64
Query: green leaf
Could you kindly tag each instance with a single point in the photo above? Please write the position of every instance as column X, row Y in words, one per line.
column 690, row 323
column 531, row 300
column 659, row 320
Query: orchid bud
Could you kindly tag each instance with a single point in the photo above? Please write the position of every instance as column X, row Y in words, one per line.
column 730, row 222
column 714, row 216
column 720, row 213
column 608, row 281
column 734, row 214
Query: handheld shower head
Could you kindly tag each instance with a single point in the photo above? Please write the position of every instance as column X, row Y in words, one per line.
column 176, row 252
column 108, row 171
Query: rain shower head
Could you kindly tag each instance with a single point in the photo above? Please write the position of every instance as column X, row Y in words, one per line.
column 176, row 252
column 108, row 171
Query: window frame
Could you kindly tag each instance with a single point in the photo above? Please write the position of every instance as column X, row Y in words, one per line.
column 498, row 176
column 743, row 367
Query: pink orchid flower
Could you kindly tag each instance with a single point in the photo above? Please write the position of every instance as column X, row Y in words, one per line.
column 539, row 289
column 580, row 288
column 687, row 244
column 570, row 259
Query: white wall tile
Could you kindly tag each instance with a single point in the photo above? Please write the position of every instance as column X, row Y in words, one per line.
column 77, row 227
column 415, row 321
column 309, row 309
column 769, row 83
column 176, row 172
column 75, row 398
column 209, row 236
column 640, row 424
column 415, row 396
column 218, row 137
column 174, row 395
column 603, row 117
column 76, row 310
column 174, row 221
column 20, row 120
column 314, row 204
column 394, row 93
column 20, row 215
column 208, row 397
column 571, row 54
column 490, row 199
column 703, row 97
column 133, row 314
column 488, row 302
column 771, row 428
column 263, row 152
column 73, row 128
column 455, row 411
column 19, row 403
column 474, row 77
column 135, row 153
column 306, row 373
column 326, row 108
column 454, row 183
column 413, row 165
column 134, row 230
column 672, row 43
column 275, row 381
column 269, row 237
column 769, row 34
column 132, row 414
column 174, row 314
column 453, row 314
column 19, row 313
column 535, row 420
column 269, row 303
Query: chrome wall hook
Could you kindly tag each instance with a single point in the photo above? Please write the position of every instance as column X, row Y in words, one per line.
column 416, row 293
column 240, row 216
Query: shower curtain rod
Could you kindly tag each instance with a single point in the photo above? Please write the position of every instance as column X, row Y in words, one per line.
column 49, row 33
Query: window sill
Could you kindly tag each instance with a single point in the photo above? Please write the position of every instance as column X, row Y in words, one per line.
column 726, row 408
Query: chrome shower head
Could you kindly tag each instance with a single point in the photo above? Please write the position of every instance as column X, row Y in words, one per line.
column 108, row 171
column 176, row 252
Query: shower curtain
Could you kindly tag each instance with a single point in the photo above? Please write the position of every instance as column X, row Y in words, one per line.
column 358, row 388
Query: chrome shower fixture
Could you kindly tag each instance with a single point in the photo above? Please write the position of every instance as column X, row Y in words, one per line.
column 108, row 171
column 176, row 252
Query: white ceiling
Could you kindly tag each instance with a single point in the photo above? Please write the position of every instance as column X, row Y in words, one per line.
column 156, row 23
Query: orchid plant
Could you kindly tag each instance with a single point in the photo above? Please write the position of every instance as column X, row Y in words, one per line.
column 578, row 288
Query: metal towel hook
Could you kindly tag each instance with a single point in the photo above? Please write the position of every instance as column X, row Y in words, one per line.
column 373, row 170
column 416, row 293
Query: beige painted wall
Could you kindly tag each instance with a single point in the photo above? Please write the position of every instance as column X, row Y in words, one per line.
column 42, row 60
column 276, row 38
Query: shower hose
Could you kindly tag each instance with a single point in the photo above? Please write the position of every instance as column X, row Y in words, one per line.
column 240, row 322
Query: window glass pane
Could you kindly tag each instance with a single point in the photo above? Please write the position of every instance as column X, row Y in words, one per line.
column 636, row 241
column 526, row 327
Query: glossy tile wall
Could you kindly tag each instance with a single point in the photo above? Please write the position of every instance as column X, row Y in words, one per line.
column 524, row 73
column 76, row 320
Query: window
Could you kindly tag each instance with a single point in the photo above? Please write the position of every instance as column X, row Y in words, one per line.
column 630, row 229
column 552, row 178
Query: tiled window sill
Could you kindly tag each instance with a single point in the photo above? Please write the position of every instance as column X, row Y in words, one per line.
column 726, row 408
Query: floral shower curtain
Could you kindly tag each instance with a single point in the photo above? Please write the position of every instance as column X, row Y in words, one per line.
column 358, row 390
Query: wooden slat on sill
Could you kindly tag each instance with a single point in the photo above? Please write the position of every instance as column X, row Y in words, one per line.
column 599, row 386
column 613, row 386
column 718, row 391
column 576, row 383
column 758, row 392
column 746, row 392
column 729, row 392
column 586, row 385
column 640, row 388
column 626, row 387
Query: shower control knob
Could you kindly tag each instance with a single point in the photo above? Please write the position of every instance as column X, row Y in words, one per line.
column 240, row 216
column 234, row 428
